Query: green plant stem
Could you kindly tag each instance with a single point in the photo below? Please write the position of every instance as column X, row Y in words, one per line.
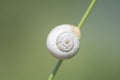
column 55, row 69
column 86, row 14
column 59, row 62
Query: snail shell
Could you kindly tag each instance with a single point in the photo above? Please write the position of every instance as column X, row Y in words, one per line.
column 63, row 41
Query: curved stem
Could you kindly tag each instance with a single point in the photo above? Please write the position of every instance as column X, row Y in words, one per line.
column 86, row 14
column 58, row 64
column 52, row 75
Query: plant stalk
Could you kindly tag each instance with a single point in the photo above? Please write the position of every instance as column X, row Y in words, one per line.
column 86, row 14
column 55, row 69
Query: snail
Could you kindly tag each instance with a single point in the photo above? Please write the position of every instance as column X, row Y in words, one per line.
column 63, row 41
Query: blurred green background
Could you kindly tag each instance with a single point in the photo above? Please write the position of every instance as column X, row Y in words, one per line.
column 25, row 24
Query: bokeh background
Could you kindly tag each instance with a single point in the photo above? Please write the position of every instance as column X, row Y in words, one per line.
column 25, row 24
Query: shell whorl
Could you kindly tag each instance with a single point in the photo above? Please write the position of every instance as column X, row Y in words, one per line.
column 63, row 41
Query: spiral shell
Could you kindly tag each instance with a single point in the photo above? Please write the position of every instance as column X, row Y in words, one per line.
column 63, row 41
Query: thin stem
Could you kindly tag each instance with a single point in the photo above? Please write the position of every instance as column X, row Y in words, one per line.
column 58, row 64
column 52, row 75
column 86, row 14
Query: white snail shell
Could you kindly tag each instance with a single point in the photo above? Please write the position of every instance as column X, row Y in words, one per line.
column 63, row 41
